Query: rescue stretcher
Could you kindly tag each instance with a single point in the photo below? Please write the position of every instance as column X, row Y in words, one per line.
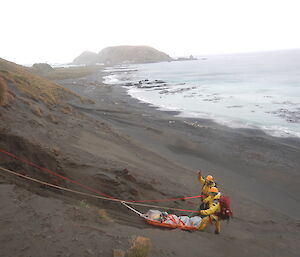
column 163, row 219
column 171, row 226
column 171, row 221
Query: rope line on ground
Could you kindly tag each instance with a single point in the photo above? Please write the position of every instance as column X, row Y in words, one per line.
column 54, row 173
column 91, row 195
column 167, row 200
column 87, row 187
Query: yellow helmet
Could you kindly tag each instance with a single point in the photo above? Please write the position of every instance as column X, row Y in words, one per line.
column 214, row 190
column 209, row 178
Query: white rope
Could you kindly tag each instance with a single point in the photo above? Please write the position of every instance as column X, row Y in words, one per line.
column 91, row 195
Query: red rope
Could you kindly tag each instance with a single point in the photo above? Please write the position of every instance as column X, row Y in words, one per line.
column 54, row 173
column 90, row 188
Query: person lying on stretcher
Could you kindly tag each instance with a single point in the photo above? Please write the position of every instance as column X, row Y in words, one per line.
column 173, row 220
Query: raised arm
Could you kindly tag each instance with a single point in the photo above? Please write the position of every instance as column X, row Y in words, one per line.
column 200, row 178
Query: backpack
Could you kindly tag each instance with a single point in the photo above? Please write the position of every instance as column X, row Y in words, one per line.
column 225, row 212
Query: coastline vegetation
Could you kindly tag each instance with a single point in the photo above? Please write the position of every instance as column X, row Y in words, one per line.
column 35, row 87
column 67, row 73
column 3, row 91
column 140, row 247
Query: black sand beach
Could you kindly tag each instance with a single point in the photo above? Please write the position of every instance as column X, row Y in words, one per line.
column 161, row 153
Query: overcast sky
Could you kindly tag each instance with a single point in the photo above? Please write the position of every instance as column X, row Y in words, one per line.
column 57, row 31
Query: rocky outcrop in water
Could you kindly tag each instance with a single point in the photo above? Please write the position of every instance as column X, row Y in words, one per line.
column 190, row 58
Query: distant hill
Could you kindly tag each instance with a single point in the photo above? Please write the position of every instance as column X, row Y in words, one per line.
column 87, row 58
column 123, row 54
column 42, row 67
column 132, row 54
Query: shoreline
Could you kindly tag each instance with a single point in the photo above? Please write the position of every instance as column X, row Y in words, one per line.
column 275, row 130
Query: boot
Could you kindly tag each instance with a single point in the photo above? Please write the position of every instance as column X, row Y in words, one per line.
column 218, row 227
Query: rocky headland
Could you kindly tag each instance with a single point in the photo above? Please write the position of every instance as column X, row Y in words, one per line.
column 123, row 55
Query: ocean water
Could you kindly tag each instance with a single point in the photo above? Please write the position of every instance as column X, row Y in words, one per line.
column 257, row 90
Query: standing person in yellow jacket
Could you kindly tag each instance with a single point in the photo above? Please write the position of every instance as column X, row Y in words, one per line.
column 207, row 184
column 210, row 214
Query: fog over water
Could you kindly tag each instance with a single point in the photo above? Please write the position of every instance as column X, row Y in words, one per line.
column 258, row 90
